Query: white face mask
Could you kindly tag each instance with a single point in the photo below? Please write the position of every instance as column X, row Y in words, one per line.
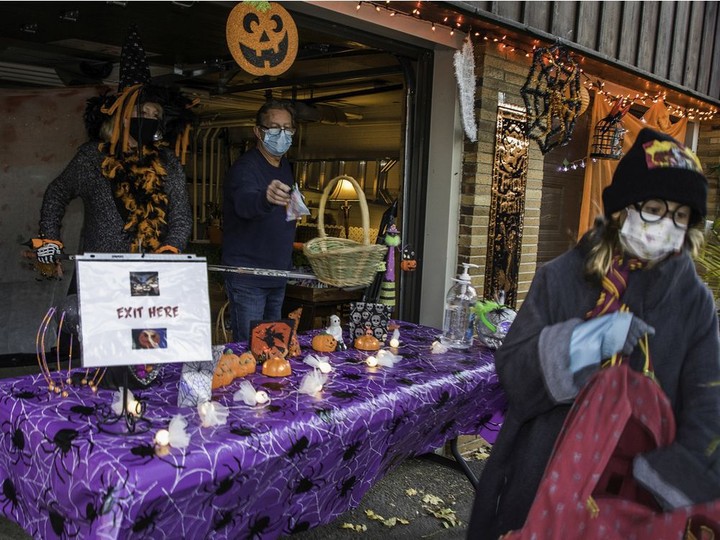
column 650, row 241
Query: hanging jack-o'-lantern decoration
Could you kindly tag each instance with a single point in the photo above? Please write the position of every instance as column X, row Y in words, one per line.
column 262, row 41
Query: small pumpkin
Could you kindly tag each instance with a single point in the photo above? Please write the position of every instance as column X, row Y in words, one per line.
column 277, row 366
column 367, row 342
column 324, row 343
column 231, row 366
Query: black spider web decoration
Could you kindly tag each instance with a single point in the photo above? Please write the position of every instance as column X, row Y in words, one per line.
column 552, row 97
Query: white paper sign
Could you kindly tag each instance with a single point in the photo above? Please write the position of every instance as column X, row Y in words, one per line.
column 137, row 309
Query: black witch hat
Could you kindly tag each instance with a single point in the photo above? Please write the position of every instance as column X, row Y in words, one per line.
column 135, row 87
column 134, row 68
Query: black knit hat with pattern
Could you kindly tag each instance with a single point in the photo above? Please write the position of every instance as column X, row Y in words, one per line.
column 657, row 167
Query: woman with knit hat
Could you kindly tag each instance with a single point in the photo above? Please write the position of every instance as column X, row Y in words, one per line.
column 631, row 279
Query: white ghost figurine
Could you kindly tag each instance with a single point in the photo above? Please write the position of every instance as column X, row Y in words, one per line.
column 212, row 414
column 312, row 382
column 248, row 395
column 438, row 348
column 386, row 358
column 335, row 330
column 177, row 436
column 319, row 362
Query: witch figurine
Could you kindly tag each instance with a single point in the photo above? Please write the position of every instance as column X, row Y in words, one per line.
column 387, row 287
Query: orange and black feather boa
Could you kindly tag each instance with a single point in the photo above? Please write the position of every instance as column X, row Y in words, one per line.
column 137, row 183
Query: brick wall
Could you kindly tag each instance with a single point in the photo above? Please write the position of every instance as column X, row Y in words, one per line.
column 496, row 72
column 708, row 150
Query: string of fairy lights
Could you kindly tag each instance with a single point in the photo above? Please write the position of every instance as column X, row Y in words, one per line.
column 459, row 24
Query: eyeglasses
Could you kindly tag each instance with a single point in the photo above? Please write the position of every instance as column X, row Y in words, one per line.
column 653, row 210
column 276, row 130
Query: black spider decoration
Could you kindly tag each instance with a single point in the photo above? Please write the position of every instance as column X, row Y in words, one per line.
column 552, row 97
column 299, row 447
column 9, row 497
column 61, row 525
column 106, row 501
column 224, row 518
column 61, row 444
column 146, row 453
column 16, row 437
column 258, row 526
column 347, row 486
column 146, row 522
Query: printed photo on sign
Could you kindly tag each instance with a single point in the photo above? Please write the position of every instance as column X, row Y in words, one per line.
column 149, row 338
column 144, row 284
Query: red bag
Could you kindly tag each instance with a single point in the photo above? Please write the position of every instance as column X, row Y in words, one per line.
column 588, row 490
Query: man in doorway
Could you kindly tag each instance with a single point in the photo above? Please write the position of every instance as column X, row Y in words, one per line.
column 256, row 232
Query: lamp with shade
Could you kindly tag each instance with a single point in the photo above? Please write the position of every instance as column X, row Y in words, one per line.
column 344, row 191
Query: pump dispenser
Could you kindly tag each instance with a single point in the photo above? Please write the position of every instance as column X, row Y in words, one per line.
column 458, row 322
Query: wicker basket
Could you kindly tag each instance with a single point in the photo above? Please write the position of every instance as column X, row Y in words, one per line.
column 338, row 261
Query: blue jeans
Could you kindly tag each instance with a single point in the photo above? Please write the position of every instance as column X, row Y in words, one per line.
column 249, row 303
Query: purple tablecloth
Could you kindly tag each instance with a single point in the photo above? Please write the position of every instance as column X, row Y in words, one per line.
column 296, row 463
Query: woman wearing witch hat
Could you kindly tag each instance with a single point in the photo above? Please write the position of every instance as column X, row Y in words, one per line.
column 132, row 186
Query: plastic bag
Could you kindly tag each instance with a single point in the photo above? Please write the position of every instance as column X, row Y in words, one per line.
column 296, row 208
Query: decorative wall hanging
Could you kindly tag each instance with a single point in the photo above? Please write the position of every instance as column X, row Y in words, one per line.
column 464, row 61
column 609, row 133
column 262, row 38
column 552, row 97
column 507, row 204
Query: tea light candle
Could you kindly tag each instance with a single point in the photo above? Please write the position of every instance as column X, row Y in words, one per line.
column 162, row 437
column 371, row 361
column 134, row 407
column 395, row 339
column 324, row 367
column 162, row 442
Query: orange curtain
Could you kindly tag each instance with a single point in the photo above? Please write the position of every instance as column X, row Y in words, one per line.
column 598, row 173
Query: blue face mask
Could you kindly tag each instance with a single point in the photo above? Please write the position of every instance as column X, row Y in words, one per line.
column 278, row 144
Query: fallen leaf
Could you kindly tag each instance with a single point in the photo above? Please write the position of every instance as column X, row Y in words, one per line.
column 410, row 492
column 432, row 499
column 356, row 528
column 446, row 515
column 390, row 522
column 372, row 515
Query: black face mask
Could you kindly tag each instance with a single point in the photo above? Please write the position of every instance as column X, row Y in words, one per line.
column 143, row 130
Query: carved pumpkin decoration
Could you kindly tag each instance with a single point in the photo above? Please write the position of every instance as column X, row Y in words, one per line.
column 231, row 366
column 324, row 343
column 408, row 263
column 368, row 342
column 277, row 366
column 262, row 42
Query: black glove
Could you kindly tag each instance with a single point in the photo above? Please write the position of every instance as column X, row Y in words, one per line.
column 638, row 328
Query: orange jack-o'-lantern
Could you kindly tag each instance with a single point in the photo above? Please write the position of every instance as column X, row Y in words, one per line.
column 324, row 343
column 231, row 366
column 408, row 263
column 367, row 342
column 262, row 42
column 276, row 367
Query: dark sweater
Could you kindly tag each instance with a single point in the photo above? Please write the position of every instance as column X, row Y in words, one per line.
column 533, row 366
column 102, row 225
column 255, row 232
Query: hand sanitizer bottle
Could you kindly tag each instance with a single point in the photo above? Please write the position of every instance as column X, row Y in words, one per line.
column 459, row 319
